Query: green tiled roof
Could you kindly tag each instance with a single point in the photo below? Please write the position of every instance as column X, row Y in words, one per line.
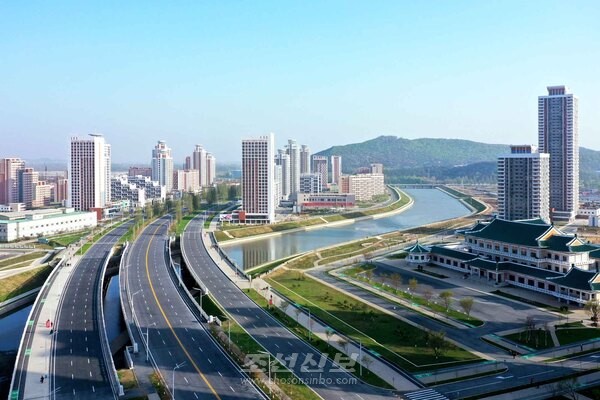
column 583, row 248
column 595, row 253
column 516, row 232
column 557, row 243
column 445, row 251
column 513, row 267
column 417, row 248
column 577, row 279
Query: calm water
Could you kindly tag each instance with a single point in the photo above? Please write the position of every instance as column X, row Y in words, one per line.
column 112, row 309
column 431, row 205
column 11, row 325
column 11, row 328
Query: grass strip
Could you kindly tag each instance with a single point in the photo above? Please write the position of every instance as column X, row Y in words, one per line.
column 321, row 345
column 13, row 262
column 397, row 341
column 21, row 283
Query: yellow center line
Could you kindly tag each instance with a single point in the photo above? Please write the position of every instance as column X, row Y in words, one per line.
column 169, row 322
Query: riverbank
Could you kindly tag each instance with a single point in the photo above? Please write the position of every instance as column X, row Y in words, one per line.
column 402, row 203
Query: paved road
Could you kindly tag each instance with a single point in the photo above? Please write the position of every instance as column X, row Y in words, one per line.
column 329, row 384
column 80, row 370
column 175, row 334
column 520, row 369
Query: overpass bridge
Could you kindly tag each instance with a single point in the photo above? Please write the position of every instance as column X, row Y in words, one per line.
column 73, row 355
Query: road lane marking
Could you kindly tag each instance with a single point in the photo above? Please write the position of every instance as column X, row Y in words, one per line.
column 212, row 389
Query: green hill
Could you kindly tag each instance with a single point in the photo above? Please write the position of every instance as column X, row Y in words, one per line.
column 444, row 160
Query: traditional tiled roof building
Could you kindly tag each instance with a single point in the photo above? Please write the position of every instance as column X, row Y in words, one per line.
column 530, row 254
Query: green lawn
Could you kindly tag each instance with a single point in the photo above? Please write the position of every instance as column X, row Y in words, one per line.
column 358, row 273
column 399, row 342
column 538, row 340
column 574, row 335
column 321, row 345
column 10, row 263
column 65, row 240
column 23, row 282
column 255, row 271
column 304, row 262
column 181, row 225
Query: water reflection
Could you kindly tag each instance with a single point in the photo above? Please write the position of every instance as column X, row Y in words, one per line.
column 430, row 205
column 11, row 328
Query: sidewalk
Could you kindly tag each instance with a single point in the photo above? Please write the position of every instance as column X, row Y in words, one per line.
column 38, row 363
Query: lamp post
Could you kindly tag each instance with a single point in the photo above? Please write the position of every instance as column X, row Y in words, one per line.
column 177, row 366
column 360, row 356
column 269, row 369
column 148, row 341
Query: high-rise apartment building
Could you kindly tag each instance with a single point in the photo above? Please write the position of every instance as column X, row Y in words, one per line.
column 558, row 135
column 320, row 165
column 282, row 159
column 293, row 151
column 188, row 164
column 9, row 179
column 89, row 173
column 211, row 169
column 305, row 165
column 336, row 169
column 162, row 165
column 61, row 190
column 523, row 184
column 27, row 182
column 258, row 169
column 199, row 164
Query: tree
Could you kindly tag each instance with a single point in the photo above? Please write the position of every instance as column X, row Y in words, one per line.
column 196, row 201
column 210, row 193
column 396, row 280
column 437, row 342
column 428, row 295
column 283, row 305
column 148, row 211
column 369, row 274
column 178, row 214
column 232, row 192
column 592, row 308
column 466, row 303
column 446, row 297
column 413, row 284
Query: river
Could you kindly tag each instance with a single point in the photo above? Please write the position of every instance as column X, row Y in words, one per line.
column 430, row 205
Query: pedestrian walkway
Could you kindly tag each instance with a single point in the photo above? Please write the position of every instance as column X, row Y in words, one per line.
column 37, row 363
column 426, row 394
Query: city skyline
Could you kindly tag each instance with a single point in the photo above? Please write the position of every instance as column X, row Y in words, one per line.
column 361, row 72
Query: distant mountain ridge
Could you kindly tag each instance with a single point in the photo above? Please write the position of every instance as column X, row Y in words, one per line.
column 448, row 160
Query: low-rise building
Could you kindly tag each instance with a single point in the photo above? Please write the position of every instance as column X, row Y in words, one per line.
column 530, row 254
column 310, row 183
column 32, row 224
column 186, row 180
column 328, row 200
column 122, row 190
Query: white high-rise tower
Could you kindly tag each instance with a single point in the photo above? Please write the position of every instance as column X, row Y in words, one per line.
column 523, row 184
column 558, row 135
column 293, row 151
column 89, row 173
column 162, row 165
column 258, row 180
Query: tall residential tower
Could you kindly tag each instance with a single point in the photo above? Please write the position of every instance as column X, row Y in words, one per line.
column 89, row 173
column 558, row 135
column 162, row 165
column 523, row 184
column 258, row 180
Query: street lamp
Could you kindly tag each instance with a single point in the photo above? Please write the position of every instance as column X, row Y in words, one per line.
column 202, row 294
column 360, row 356
column 148, row 341
column 177, row 366
column 269, row 369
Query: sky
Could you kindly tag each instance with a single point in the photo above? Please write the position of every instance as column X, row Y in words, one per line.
column 322, row 72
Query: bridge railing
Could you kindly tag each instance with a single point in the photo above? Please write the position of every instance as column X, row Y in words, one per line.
column 110, row 364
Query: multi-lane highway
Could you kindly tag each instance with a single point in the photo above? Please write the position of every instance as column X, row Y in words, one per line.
column 174, row 334
column 79, row 365
column 327, row 380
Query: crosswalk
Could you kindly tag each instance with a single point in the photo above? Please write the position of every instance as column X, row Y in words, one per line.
column 425, row 394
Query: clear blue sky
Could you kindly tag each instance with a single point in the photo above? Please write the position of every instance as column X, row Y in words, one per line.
column 322, row 72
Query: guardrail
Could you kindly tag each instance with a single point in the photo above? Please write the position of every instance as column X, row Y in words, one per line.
column 110, row 366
